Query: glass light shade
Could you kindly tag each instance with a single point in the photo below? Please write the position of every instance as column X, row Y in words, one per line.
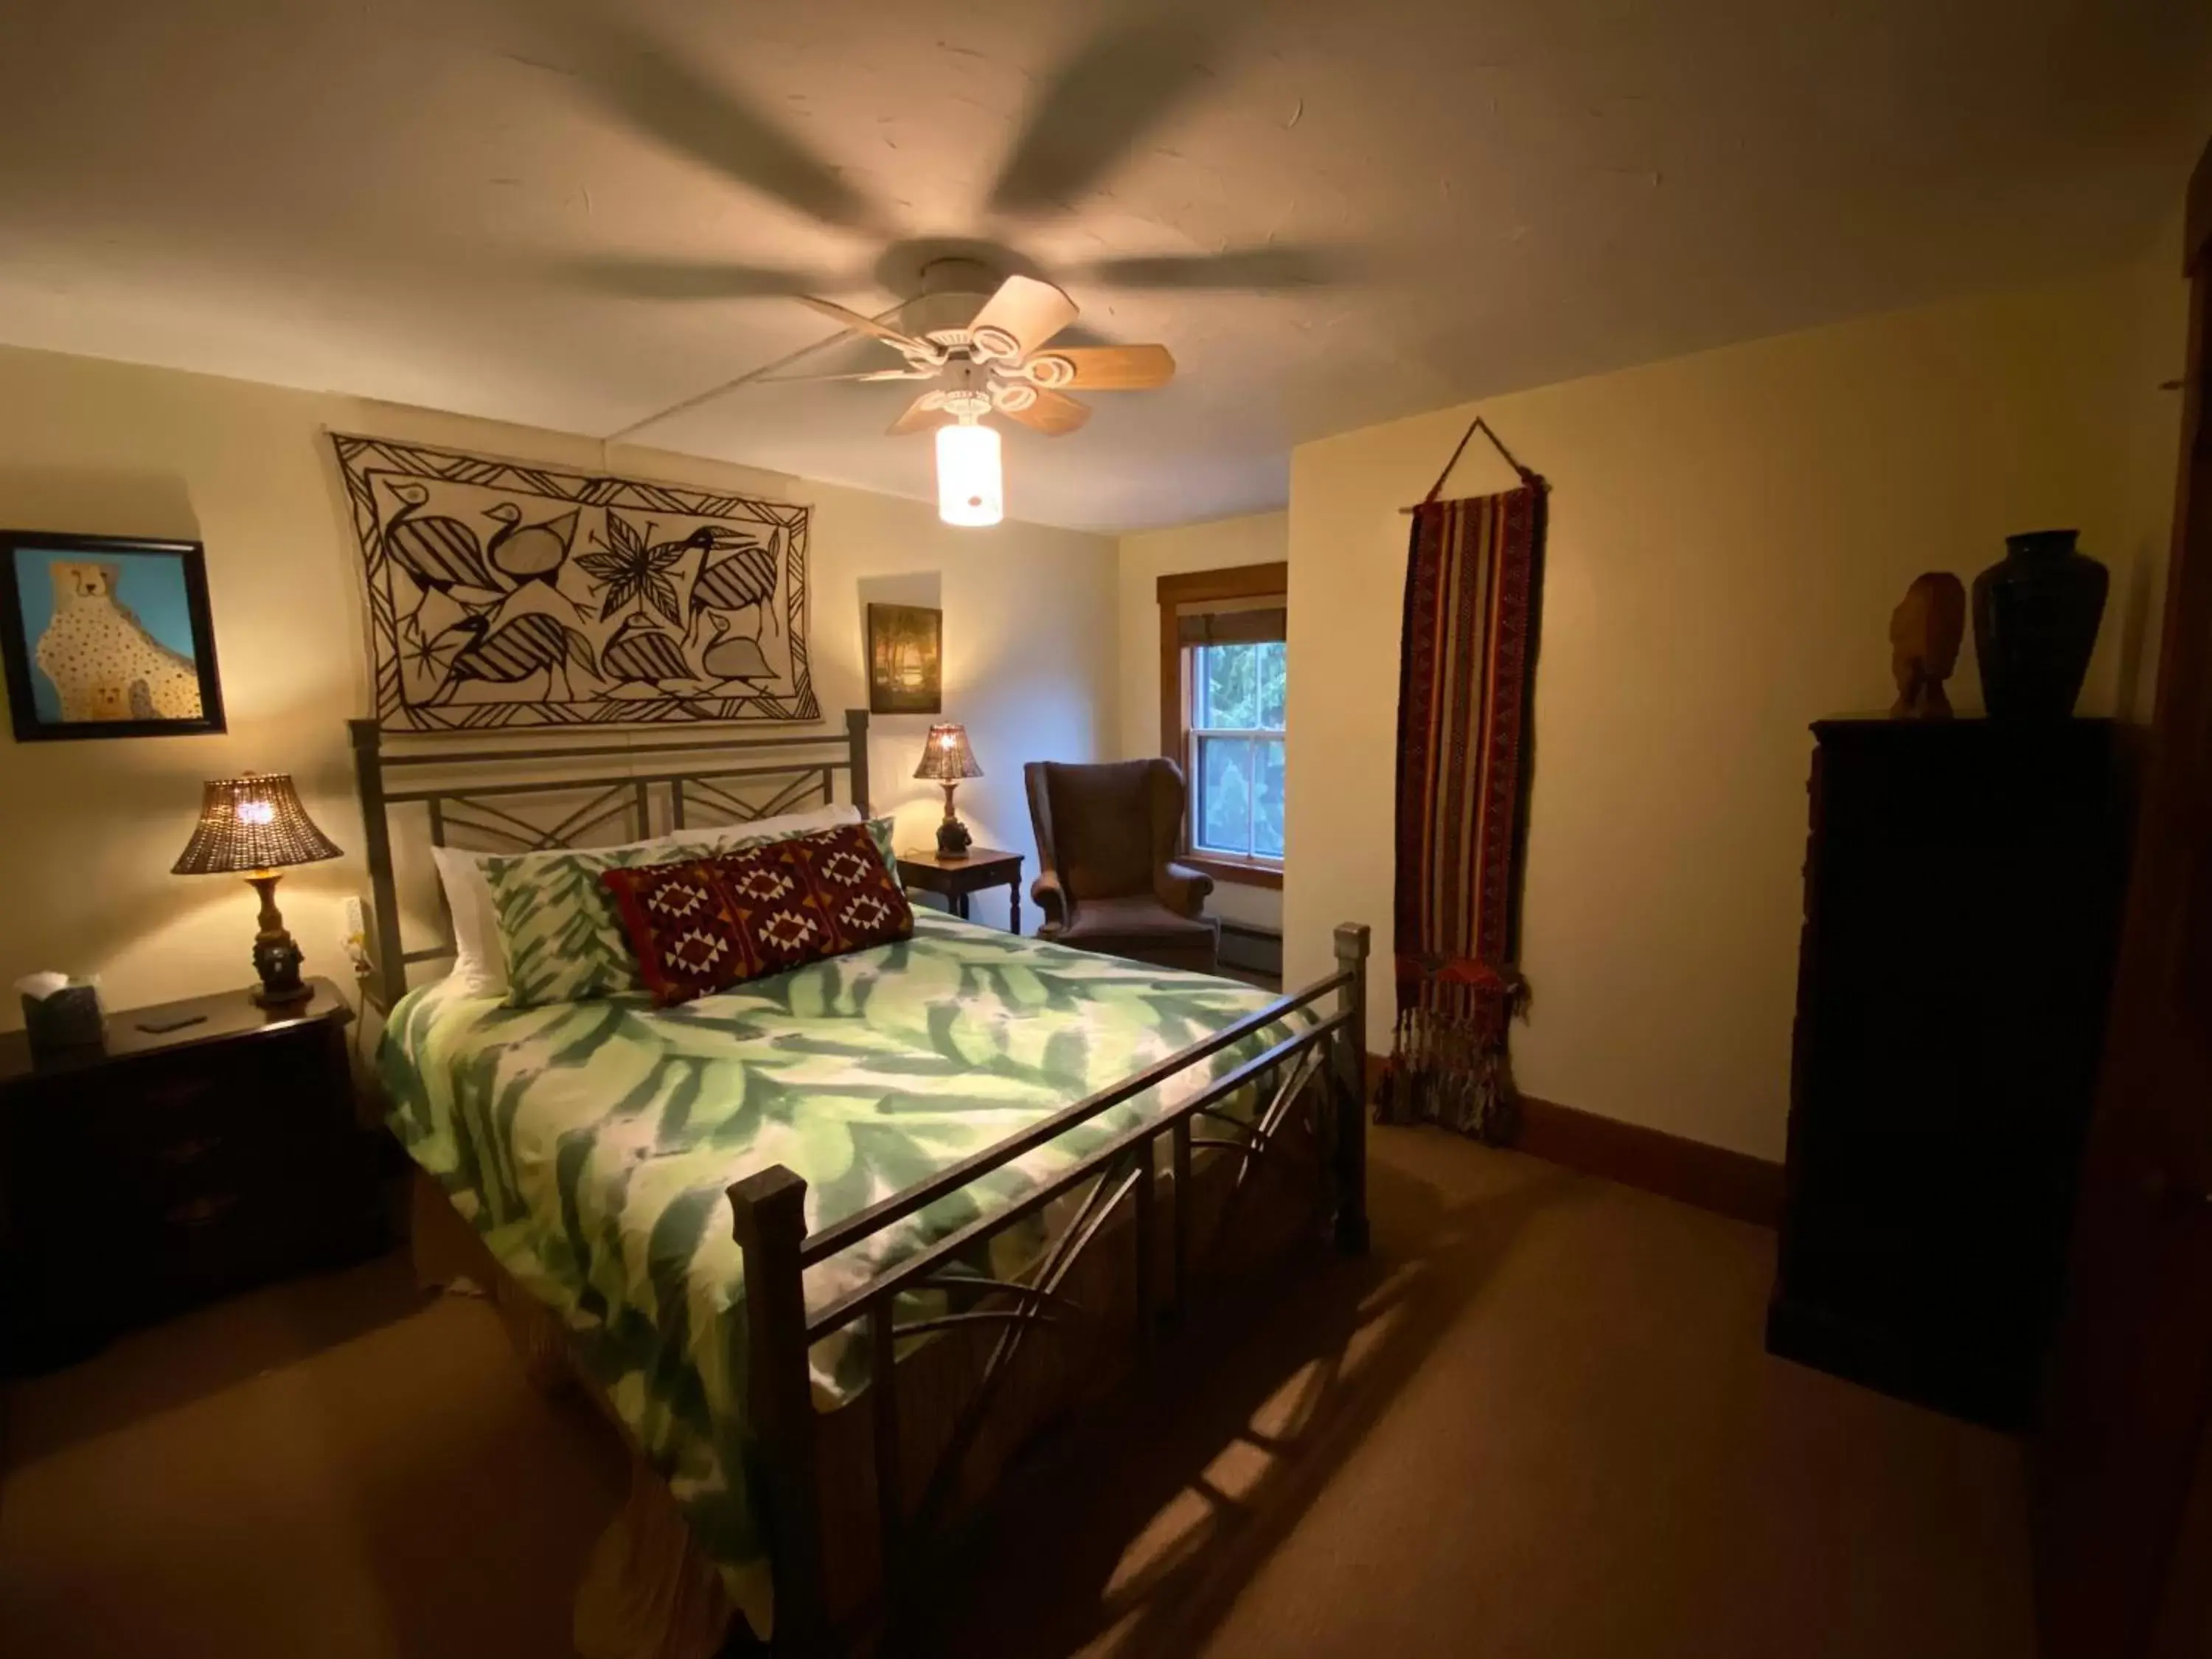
column 970, row 489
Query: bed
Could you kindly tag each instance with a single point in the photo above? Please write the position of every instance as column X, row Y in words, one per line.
column 830, row 1248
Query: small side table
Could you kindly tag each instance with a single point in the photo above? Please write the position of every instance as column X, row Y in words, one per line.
column 956, row 878
column 207, row 1145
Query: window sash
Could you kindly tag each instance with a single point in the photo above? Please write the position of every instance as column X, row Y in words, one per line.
column 1201, row 812
column 1196, row 713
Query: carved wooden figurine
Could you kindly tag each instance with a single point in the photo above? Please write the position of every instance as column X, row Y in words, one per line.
column 1924, row 632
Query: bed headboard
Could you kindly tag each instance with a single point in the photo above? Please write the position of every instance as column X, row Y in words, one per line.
column 662, row 784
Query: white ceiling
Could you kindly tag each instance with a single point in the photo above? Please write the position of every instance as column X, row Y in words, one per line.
column 564, row 212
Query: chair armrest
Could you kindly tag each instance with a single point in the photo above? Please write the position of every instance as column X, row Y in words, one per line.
column 1182, row 889
column 1050, row 897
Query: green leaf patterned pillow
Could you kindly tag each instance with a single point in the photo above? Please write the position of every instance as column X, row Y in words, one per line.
column 879, row 831
column 558, row 926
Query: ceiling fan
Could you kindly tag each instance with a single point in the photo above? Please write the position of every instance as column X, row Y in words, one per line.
column 994, row 362
column 1090, row 113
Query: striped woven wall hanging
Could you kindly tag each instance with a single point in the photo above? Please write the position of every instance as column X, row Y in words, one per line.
column 1466, row 666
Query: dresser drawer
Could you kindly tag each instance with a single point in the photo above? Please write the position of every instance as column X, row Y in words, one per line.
column 183, row 1110
column 213, row 1156
column 221, row 1238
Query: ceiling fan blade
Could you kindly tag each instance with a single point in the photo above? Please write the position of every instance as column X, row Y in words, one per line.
column 1117, row 368
column 1249, row 267
column 1102, row 101
column 1027, row 312
column 921, row 415
column 865, row 325
column 624, row 69
column 1053, row 413
column 690, row 279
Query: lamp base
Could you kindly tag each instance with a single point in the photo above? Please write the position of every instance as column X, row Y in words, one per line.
column 285, row 1002
column 953, row 840
column 277, row 954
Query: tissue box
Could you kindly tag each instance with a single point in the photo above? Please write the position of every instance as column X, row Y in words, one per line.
column 67, row 1018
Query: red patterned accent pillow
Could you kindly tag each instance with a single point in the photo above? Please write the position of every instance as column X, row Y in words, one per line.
column 704, row 925
column 680, row 928
column 812, row 896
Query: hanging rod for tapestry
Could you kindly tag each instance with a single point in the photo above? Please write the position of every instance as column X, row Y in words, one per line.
column 1478, row 424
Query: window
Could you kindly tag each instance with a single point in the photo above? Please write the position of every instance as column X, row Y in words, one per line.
column 1236, row 749
column 1224, row 682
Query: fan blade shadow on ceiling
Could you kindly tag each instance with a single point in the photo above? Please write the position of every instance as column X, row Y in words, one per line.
column 691, row 279
column 1249, row 267
column 758, row 373
column 628, row 74
column 1094, row 108
column 859, row 375
column 860, row 321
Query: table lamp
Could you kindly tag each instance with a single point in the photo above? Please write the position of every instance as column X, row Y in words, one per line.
column 254, row 826
column 946, row 759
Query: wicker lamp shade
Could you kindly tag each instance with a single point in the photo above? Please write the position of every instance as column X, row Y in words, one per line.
column 249, row 823
column 946, row 757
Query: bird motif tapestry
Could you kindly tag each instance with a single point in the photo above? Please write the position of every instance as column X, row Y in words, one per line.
column 1467, row 663
column 504, row 595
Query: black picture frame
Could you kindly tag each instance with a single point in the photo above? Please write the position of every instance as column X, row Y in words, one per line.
column 906, row 660
column 18, row 650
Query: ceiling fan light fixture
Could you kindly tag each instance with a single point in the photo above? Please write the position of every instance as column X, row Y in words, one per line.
column 970, row 482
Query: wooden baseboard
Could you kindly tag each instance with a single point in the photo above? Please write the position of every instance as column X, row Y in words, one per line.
column 1733, row 1184
column 1692, row 1171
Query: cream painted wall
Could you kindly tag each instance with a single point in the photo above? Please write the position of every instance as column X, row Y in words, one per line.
column 1729, row 533
column 1145, row 557
column 91, row 828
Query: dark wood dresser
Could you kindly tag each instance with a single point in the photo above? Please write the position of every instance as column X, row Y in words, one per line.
column 171, row 1166
column 1963, row 885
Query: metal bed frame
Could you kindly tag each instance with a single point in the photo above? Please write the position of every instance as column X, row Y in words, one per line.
column 1322, row 1065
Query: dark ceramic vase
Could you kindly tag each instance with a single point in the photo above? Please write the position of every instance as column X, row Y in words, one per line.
column 2035, row 623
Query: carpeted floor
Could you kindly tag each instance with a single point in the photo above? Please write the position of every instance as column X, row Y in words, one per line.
column 1537, row 1424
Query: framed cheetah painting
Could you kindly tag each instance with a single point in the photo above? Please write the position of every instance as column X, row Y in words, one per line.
column 106, row 636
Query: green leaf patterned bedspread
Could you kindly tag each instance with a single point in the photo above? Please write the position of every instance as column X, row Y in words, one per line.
column 592, row 1145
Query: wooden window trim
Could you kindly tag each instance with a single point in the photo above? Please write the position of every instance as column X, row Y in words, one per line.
column 1243, row 582
column 1226, row 866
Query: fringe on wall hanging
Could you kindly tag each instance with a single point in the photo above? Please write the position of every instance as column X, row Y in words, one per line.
column 1467, row 657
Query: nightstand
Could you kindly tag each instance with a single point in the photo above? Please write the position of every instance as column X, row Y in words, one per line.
column 956, row 878
column 207, row 1146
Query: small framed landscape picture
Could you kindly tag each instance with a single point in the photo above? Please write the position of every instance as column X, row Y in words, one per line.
column 905, row 659
column 106, row 636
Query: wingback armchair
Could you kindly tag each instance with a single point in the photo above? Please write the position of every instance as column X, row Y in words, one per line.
column 1106, row 838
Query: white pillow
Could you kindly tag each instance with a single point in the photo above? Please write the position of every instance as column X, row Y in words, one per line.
column 480, row 968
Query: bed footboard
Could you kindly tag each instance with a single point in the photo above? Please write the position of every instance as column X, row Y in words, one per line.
column 1324, row 1064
